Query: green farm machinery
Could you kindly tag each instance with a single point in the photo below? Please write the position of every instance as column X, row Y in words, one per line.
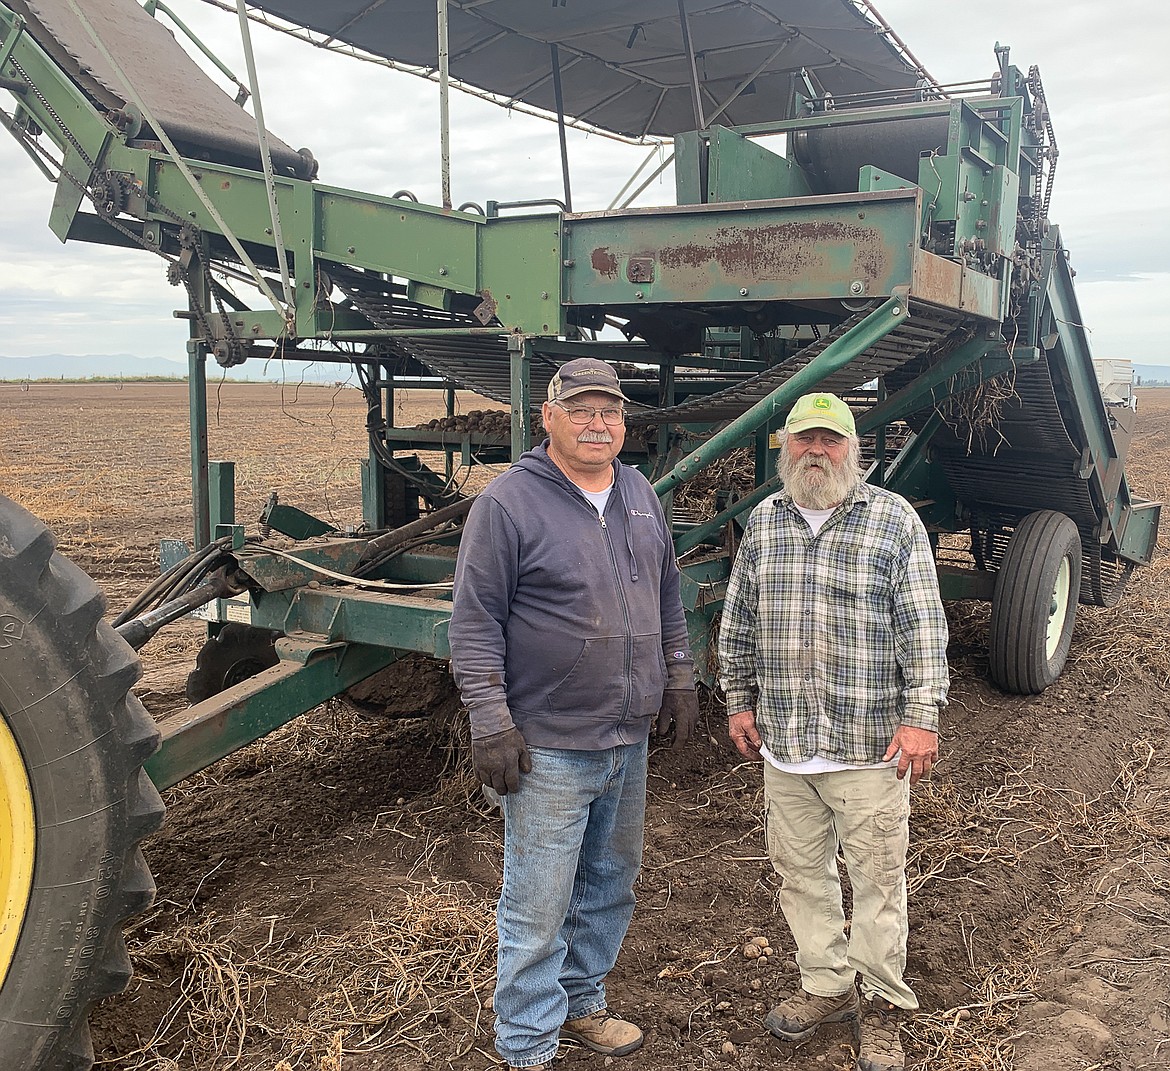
column 843, row 222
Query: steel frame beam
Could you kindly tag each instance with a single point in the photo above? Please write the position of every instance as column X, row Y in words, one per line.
column 200, row 735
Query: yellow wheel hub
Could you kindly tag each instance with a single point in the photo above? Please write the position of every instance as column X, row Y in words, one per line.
column 17, row 845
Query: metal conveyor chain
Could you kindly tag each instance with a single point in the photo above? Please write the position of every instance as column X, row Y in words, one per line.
column 480, row 362
column 1035, row 467
column 925, row 331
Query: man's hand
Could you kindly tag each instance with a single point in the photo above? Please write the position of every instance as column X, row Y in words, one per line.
column 680, row 709
column 918, row 750
column 744, row 735
column 500, row 759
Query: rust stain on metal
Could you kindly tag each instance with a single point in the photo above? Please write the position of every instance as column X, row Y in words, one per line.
column 604, row 262
column 486, row 310
column 640, row 269
column 937, row 280
column 781, row 250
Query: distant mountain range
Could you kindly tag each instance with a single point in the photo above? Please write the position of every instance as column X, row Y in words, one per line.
column 128, row 366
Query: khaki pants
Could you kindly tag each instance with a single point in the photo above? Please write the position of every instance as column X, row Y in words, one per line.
column 866, row 814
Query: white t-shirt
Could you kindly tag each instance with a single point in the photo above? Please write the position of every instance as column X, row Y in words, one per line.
column 598, row 498
column 816, row 517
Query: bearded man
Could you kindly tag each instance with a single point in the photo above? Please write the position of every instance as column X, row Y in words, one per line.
column 833, row 659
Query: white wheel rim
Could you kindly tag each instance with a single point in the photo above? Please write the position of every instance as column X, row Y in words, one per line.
column 1058, row 608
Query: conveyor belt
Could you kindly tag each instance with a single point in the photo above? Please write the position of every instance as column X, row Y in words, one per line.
column 477, row 362
column 480, row 362
column 1030, row 462
column 203, row 121
column 925, row 332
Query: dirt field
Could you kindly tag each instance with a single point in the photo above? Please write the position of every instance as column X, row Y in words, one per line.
column 326, row 896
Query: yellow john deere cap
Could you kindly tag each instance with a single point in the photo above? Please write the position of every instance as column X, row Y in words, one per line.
column 820, row 411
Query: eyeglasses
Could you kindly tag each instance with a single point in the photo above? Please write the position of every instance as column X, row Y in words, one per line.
column 584, row 414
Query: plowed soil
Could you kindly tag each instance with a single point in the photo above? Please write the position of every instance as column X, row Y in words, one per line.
column 326, row 895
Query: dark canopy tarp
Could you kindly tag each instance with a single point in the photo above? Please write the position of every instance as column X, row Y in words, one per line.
column 624, row 65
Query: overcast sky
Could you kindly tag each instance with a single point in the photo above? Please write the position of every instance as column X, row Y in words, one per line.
column 1105, row 72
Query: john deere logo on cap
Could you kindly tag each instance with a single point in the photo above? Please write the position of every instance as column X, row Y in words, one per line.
column 822, row 403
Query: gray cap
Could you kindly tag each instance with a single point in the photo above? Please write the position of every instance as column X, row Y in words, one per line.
column 581, row 375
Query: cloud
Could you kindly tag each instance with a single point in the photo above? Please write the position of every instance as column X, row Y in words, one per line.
column 1126, row 317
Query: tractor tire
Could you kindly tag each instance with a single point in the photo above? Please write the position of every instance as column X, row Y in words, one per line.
column 232, row 655
column 75, row 802
column 1034, row 605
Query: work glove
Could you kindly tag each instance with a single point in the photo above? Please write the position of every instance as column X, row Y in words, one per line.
column 680, row 709
column 500, row 759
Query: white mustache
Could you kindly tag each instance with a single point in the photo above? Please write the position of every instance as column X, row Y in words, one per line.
column 595, row 437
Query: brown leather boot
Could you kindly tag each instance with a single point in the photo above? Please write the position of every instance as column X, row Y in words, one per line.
column 881, row 1047
column 799, row 1016
column 603, row 1032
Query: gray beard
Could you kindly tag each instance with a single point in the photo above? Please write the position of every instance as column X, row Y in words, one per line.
column 818, row 488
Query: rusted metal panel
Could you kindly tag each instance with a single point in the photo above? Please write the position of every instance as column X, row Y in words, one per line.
column 952, row 285
column 937, row 280
column 980, row 295
column 281, row 572
column 846, row 246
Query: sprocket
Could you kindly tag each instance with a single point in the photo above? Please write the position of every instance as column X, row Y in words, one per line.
column 109, row 192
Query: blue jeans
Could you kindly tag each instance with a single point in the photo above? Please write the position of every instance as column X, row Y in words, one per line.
column 572, row 850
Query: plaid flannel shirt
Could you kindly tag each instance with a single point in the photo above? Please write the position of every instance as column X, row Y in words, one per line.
column 834, row 640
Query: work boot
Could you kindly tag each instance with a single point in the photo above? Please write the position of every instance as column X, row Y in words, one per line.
column 798, row 1017
column 603, row 1032
column 881, row 1048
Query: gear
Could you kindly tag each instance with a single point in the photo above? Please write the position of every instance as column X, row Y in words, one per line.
column 109, row 194
column 229, row 352
column 234, row 654
column 188, row 236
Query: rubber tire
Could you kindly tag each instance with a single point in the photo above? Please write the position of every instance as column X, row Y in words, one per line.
column 1021, row 605
column 82, row 738
column 233, row 654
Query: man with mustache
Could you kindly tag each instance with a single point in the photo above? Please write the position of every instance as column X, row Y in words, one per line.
column 569, row 646
column 833, row 657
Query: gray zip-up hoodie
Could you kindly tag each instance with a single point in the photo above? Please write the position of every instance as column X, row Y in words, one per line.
column 565, row 624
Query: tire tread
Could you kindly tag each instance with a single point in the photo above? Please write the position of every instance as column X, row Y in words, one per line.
column 67, row 607
column 1018, row 618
